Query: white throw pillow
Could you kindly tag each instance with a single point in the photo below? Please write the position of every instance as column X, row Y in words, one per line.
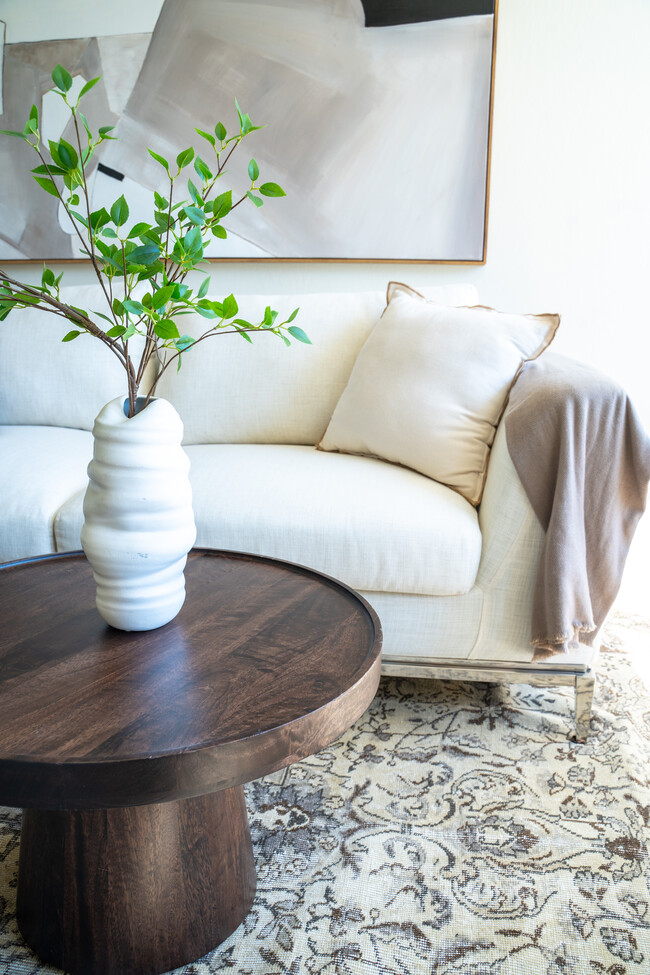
column 430, row 384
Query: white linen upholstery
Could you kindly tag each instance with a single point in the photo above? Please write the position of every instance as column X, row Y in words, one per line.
column 46, row 382
column 373, row 525
column 41, row 468
column 284, row 395
column 430, row 384
column 491, row 623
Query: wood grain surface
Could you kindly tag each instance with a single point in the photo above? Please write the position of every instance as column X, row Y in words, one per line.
column 265, row 664
column 138, row 890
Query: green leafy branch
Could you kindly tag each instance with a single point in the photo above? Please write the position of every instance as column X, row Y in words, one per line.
column 158, row 255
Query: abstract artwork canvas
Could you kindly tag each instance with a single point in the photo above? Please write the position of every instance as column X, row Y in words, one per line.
column 377, row 118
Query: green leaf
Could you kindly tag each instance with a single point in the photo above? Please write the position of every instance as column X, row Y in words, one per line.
column 47, row 185
column 160, row 201
column 245, row 335
column 202, row 169
column 166, row 329
column 109, row 259
column 67, row 156
column 86, row 88
column 84, row 122
column 193, row 242
column 162, row 219
column 194, row 193
column 26, row 298
column 230, row 307
column 100, row 314
column 133, row 307
column 162, row 296
column 17, row 135
column 299, row 334
column 116, row 331
column 184, row 342
column 120, row 212
column 203, row 290
column 70, row 336
column 256, row 199
column 293, row 315
column 184, row 158
column 78, row 216
column 118, row 307
column 62, row 79
column 219, row 231
column 195, row 215
column 206, row 135
column 109, row 232
column 271, row 189
column 47, row 278
column 98, row 218
column 253, row 170
column 146, row 254
column 222, row 205
column 138, row 230
column 160, row 159
column 205, row 310
column 74, row 202
column 220, row 131
column 104, row 130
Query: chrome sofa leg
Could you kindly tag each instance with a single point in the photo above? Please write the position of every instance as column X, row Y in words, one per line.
column 584, row 700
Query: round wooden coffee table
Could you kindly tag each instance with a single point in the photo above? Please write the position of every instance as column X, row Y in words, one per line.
column 127, row 751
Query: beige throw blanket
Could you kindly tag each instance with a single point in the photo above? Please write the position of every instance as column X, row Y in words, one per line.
column 584, row 461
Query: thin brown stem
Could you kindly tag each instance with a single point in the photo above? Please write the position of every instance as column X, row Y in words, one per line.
column 206, row 335
column 89, row 229
column 65, row 205
column 51, row 304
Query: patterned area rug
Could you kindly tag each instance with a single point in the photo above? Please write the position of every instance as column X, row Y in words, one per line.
column 454, row 830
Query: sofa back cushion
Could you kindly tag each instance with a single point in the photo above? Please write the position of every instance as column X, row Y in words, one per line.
column 229, row 391
column 47, row 382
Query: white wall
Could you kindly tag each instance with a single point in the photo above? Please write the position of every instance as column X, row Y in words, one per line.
column 570, row 194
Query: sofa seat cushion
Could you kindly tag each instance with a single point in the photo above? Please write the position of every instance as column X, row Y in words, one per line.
column 374, row 526
column 42, row 467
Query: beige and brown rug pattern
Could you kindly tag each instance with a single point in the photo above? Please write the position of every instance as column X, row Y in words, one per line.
column 454, row 830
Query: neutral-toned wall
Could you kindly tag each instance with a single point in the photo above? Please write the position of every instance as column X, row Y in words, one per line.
column 569, row 225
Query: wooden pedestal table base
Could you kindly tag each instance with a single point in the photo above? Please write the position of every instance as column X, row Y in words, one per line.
column 128, row 751
column 138, row 890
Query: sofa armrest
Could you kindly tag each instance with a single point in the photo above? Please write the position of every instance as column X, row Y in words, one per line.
column 512, row 540
column 509, row 526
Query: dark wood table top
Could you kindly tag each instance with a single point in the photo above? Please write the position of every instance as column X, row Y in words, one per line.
column 265, row 664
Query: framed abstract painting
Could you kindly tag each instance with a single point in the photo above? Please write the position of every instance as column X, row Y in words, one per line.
column 377, row 118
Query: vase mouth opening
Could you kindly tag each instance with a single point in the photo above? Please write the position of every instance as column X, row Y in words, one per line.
column 140, row 403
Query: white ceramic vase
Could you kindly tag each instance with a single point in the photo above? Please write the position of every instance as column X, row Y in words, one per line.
column 138, row 517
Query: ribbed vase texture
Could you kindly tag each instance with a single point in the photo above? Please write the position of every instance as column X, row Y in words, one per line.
column 138, row 517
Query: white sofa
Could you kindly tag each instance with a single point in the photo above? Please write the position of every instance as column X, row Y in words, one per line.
column 452, row 584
